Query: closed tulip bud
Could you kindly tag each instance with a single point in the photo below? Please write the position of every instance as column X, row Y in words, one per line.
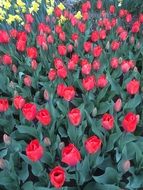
column 15, row 93
column 14, row 68
column 47, row 141
column 118, row 105
column 76, row 43
column 46, row 95
column 2, row 163
column 126, row 165
column 27, row 80
column 120, row 60
column 47, row 19
column 138, row 45
column 70, row 48
column 94, row 112
column 61, row 145
column 135, row 69
column 138, row 118
column 132, row 39
column 108, row 45
column 34, row 64
column 6, row 139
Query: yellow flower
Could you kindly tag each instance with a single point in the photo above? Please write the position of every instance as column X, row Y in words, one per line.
column 30, row 9
column 50, row 10
column 24, row 10
column 18, row 18
column 78, row 15
column 52, row 2
column 39, row 1
column 6, row 4
column 22, row 23
column 47, row 1
column 61, row 6
column 62, row 20
column 17, row 10
column 20, row 3
column 10, row 19
column 35, row 6
column 2, row 12
column 1, row 18
column 15, row 6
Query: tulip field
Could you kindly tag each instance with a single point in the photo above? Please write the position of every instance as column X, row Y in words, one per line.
column 71, row 95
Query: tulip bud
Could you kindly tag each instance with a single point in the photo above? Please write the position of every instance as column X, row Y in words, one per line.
column 118, row 105
column 14, row 68
column 27, row 80
column 76, row 43
column 2, row 163
column 126, row 165
column 46, row 95
column 96, row 65
column 34, row 64
column 45, row 46
column 108, row 45
column 15, row 93
column 132, row 39
column 120, row 60
column 61, row 145
column 0, row 59
column 138, row 118
column 70, row 48
column 138, row 45
column 47, row 141
column 135, row 69
column 47, row 19
column 6, row 139
column 94, row 112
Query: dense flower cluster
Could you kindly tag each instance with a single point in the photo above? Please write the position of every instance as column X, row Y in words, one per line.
column 71, row 96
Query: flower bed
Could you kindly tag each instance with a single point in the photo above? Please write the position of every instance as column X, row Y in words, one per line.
column 71, row 110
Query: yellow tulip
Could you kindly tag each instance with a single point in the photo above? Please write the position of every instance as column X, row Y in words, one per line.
column 50, row 10
column 62, row 20
column 52, row 2
column 35, row 6
column 78, row 15
column 61, row 6
column 20, row 3
column 7, row 5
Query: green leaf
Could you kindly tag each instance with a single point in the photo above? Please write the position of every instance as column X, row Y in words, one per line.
column 84, row 169
column 5, row 179
column 90, row 186
column 37, row 168
column 115, row 86
column 125, row 139
column 112, row 139
column 96, row 186
column 43, row 188
column 133, row 103
column 28, row 186
column 135, row 182
column 109, row 177
column 23, row 173
column 103, row 107
column 27, row 130
column 102, row 94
